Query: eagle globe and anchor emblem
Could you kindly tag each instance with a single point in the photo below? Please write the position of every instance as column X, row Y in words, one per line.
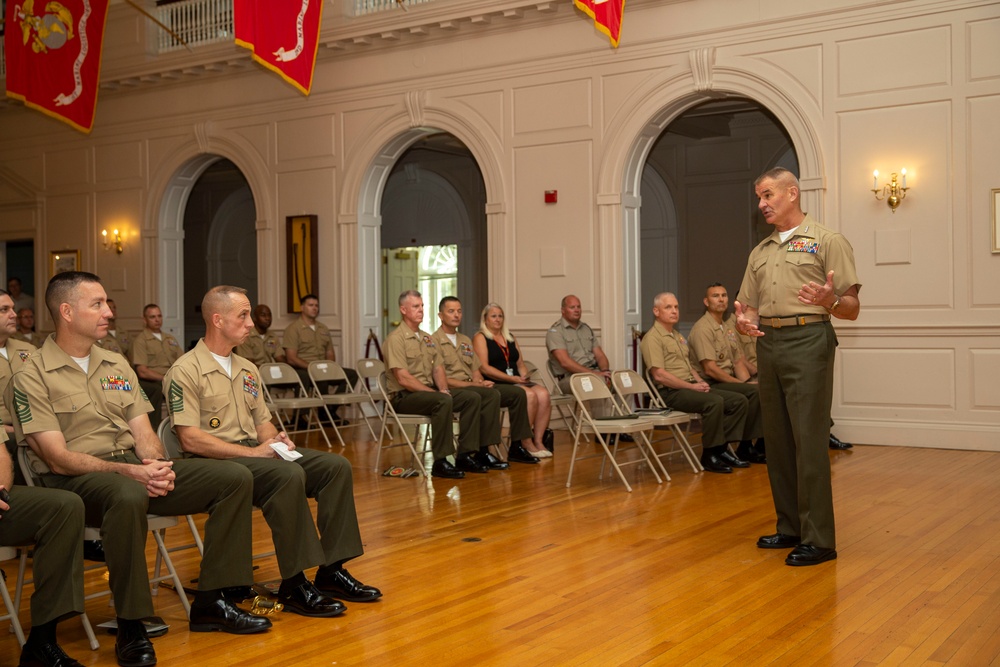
column 51, row 30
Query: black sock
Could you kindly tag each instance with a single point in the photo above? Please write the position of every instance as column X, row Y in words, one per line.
column 42, row 634
column 331, row 569
column 207, row 597
column 294, row 580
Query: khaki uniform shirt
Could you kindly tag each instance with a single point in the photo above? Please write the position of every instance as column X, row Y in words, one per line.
column 118, row 341
column 667, row 350
column 17, row 354
column 156, row 355
column 50, row 392
column 200, row 394
column 709, row 340
column 310, row 345
column 415, row 351
column 776, row 271
column 579, row 344
column 33, row 338
column 459, row 359
column 747, row 344
column 259, row 349
column 111, row 344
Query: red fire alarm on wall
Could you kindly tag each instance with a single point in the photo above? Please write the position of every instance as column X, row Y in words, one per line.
column 551, row 196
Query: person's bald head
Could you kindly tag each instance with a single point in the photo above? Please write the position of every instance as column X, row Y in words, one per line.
column 262, row 317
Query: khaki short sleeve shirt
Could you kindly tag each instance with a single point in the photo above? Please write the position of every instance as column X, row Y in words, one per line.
column 17, row 354
column 776, row 271
column 667, row 350
column 50, row 392
column 310, row 345
column 459, row 359
column 110, row 343
column 415, row 351
column 579, row 344
column 200, row 394
column 258, row 349
column 153, row 353
column 709, row 340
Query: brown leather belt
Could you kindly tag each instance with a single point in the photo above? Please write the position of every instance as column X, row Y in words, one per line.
column 796, row 321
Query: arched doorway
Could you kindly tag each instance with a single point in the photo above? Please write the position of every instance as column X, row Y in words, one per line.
column 698, row 218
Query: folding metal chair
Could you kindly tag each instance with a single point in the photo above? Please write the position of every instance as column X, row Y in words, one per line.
column 156, row 525
column 283, row 376
column 563, row 403
column 331, row 371
column 587, row 387
column 368, row 372
column 629, row 385
column 656, row 401
column 10, row 553
column 401, row 421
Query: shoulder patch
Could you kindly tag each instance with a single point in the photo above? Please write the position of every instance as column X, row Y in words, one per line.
column 176, row 397
column 21, row 406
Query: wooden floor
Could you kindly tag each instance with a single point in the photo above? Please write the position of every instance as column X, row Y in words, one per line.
column 513, row 568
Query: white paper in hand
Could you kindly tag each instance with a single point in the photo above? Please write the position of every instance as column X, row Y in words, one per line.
column 285, row 453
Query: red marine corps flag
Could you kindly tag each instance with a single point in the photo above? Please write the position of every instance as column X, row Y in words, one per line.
column 54, row 56
column 283, row 36
column 607, row 14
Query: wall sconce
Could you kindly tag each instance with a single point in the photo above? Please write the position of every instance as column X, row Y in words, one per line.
column 112, row 241
column 894, row 193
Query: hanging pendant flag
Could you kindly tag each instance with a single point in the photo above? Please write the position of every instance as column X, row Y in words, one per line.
column 53, row 56
column 607, row 15
column 283, row 36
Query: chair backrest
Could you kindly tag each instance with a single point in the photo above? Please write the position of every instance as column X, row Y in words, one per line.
column 370, row 368
column 553, row 384
column 589, row 387
column 326, row 371
column 628, row 383
column 533, row 372
column 30, row 476
column 654, row 395
column 171, row 443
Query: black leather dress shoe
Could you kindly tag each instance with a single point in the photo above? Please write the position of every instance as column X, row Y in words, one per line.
column 221, row 614
column 467, row 462
column 493, row 463
column 626, row 437
column 444, row 468
column 132, row 645
column 307, row 600
column 519, row 454
column 807, row 554
column 837, row 443
column 94, row 550
column 45, row 654
column 729, row 459
column 548, row 439
column 342, row 585
column 713, row 463
column 747, row 452
column 778, row 541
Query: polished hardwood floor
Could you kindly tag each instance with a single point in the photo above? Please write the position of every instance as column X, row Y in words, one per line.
column 513, row 568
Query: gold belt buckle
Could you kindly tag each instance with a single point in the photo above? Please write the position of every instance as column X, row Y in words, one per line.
column 775, row 322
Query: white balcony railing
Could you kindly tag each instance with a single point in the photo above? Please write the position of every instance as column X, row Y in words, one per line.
column 197, row 22
column 365, row 7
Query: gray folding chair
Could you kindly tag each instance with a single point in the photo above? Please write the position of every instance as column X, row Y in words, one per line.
column 401, row 421
column 368, row 372
column 10, row 553
column 283, row 376
column 564, row 404
column 587, row 387
column 629, row 385
column 331, row 371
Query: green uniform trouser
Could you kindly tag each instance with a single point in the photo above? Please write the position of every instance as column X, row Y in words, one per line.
column 478, row 417
column 280, row 489
column 754, row 427
column 119, row 506
column 723, row 413
column 795, row 367
column 515, row 399
column 436, row 405
column 52, row 520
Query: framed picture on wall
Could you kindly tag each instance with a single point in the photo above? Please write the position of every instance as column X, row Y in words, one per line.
column 303, row 274
column 64, row 260
column 995, row 197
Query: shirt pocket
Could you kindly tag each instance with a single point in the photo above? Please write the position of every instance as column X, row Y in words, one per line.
column 119, row 397
column 66, row 407
column 214, row 404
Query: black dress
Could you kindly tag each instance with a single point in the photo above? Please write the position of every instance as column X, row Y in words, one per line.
column 496, row 357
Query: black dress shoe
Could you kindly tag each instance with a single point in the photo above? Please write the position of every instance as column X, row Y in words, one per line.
column 45, row 654
column 342, row 585
column 747, row 452
column 94, row 550
column 221, row 614
column 712, row 463
column 132, row 645
column 519, row 454
column 729, row 459
column 307, row 600
column 807, row 554
column 625, row 437
column 548, row 439
column 493, row 463
column 467, row 462
column 444, row 468
column 778, row 541
column 837, row 443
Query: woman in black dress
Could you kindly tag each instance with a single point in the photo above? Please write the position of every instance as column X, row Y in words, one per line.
column 501, row 362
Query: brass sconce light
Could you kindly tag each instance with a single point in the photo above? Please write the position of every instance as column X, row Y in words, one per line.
column 112, row 241
column 894, row 193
